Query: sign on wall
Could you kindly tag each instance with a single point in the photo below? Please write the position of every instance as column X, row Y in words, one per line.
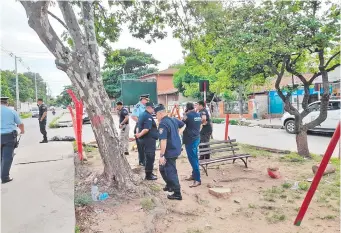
column 132, row 89
column 232, row 107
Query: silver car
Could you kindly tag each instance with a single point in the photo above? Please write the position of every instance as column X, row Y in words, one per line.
column 35, row 112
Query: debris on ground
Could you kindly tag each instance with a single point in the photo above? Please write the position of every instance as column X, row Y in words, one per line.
column 220, row 192
column 273, row 172
column 64, row 139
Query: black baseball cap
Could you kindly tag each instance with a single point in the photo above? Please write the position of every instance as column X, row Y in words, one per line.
column 150, row 104
column 159, row 108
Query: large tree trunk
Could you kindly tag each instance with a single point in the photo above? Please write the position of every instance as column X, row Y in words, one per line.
column 302, row 144
column 82, row 67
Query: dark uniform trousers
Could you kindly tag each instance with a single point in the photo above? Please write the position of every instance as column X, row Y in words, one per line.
column 149, row 147
column 140, row 149
column 7, row 152
column 170, row 174
column 42, row 125
column 205, row 136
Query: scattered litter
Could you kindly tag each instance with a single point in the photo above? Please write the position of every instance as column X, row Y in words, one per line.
column 94, row 192
column 103, row 196
column 273, row 172
column 310, row 179
column 295, row 186
column 98, row 211
column 236, row 201
column 217, row 209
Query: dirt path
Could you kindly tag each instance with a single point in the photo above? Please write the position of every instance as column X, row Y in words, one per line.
column 257, row 204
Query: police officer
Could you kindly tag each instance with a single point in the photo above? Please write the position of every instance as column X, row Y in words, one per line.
column 139, row 108
column 147, row 136
column 10, row 120
column 42, row 119
column 191, row 139
column 170, row 149
column 124, row 126
column 206, row 131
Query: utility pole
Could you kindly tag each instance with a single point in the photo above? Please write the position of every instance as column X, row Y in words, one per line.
column 35, row 84
column 16, row 85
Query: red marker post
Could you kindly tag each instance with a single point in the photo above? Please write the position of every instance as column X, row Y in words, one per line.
column 227, row 122
column 329, row 152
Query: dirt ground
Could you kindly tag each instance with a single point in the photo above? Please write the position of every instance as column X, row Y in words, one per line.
column 257, row 203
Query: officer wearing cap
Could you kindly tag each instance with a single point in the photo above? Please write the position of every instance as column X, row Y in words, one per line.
column 139, row 108
column 42, row 119
column 206, row 131
column 124, row 126
column 10, row 120
column 170, row 149
column 147, row 136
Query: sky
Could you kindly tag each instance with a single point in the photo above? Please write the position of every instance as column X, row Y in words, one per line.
column 18, row 38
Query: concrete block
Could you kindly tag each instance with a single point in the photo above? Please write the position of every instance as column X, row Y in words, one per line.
column 220, row 192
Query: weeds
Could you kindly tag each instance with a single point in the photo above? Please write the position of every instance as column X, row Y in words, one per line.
column 83, row 200
column 328, row 217
column 54, row 122
column 293, row 158
column 303, row 186
column 77, row 229
column 155, row 188
column 147, row 204
column 25, row 115
column 286, row 185
column 275, row 218
column 252, row 206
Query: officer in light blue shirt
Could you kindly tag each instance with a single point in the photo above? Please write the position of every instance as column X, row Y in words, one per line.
column 140, row 108
column 10, row 120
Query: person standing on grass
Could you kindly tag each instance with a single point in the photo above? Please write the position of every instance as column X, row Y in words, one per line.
column 124, row 126
column 10, row 120
column 42, row 119
column 206, row 130
column 191, row 139
column 170, row 149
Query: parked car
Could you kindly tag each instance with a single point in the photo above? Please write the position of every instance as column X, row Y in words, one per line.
column 328, row 126
column 35, row 112
column 86, row 119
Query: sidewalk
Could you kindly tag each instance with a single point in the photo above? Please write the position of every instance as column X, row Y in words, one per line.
column 274, row 123
column 41, row 197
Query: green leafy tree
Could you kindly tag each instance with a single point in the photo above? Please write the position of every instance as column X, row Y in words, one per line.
column 127, row 63
column 41, row 85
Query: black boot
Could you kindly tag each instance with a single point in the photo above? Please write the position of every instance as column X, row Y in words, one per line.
column 150, row 176
column 175, row 196
column 4, row 181
column 167, row 189
column 44, row 141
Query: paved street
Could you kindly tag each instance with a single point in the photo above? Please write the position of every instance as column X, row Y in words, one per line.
column 41, row 197
column 271, row 138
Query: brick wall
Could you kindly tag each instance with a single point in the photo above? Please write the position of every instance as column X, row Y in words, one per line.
column 164, row 82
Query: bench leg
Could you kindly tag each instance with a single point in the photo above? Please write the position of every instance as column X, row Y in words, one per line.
column 244, row 161
column 233, row 161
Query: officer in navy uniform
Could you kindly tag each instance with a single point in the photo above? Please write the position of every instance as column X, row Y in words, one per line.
column 10, row 120
column 170, row 149
column 206, row 131
column 147, row 136
column 140, row 108
column 42, row 119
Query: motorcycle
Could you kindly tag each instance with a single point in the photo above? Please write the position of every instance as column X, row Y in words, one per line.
column 54, row 112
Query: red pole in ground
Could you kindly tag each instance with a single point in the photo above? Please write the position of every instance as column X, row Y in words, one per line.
column 227, row 122
column 79, row 123
column 318, row 175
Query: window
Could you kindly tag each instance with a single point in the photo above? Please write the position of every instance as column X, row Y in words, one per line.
column 314, row 107
column 334, row 105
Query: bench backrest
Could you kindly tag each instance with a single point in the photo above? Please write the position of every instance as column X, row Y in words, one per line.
column 218, row 146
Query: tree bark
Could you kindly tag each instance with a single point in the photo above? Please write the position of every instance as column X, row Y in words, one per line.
column 302, row 144
column 82, row 67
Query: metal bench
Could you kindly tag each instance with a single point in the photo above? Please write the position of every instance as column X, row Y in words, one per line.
column 222, row 146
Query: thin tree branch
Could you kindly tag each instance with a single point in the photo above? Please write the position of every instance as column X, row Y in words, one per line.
column 72, row 23
column 37, row 14
column 331, row 58
column 58, row 19
column 333, row 67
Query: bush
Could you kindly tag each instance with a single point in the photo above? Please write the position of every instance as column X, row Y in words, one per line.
column 24, row 115
column 83, row 200
column 234, row 122
column 218, row 120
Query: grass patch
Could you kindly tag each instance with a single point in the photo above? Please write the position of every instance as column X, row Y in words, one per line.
column 147, row 204
column 252, row 206
column 155, row 188
column 77, row 229
column 53, row 123
column 292, row 158
column 24, row 115
column 275, row 190
column 303, row 186
column 254, row 151
column 270, row 197
column 286, row 185
column 275, row 218
column 328, row 217
column 218, row 120
column 194, row 231
column 83, row 200
column 234, row 122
